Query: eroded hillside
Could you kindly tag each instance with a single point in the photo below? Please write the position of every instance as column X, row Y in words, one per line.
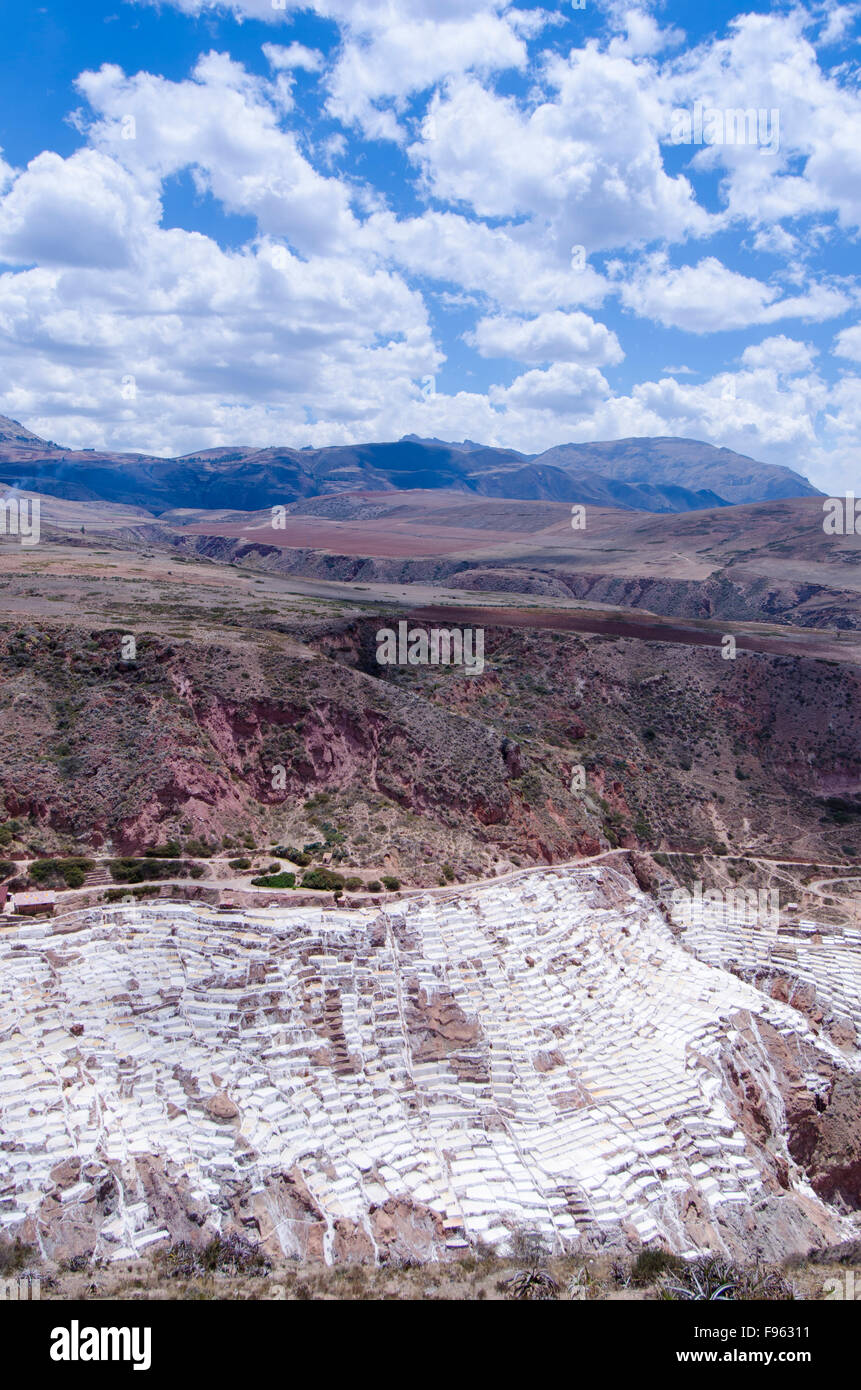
column 423, row 767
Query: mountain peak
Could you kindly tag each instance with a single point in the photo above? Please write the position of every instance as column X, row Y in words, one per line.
column 13, row 432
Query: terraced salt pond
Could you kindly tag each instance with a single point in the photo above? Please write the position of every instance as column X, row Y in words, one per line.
column 540, row 1054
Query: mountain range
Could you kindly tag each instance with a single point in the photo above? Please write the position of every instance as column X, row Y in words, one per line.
column 647, row 474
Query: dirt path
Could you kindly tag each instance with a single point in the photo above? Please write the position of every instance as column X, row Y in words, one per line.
column 244, row 885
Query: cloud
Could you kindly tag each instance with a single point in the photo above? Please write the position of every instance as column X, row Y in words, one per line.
column 848, row 343
column 203, row 336
column 514, row 271
column 224, row 125
column 709, row 297
column 584, row 166
column 81, row 211
column 767, row 62
column 551, row 337
column 386, row 61
column 294, row 55
column 566, row 389
column 784, row 355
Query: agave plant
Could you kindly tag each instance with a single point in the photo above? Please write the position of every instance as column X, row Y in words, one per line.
column 711, row 1280
column 578, row 1284
column 532, row 1284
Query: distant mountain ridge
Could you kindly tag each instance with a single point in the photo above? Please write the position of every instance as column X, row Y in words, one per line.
column 648, row 474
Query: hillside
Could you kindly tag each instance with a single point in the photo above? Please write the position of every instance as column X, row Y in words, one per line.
column 417, row 767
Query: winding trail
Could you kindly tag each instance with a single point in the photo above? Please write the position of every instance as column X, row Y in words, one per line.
column 68, row 897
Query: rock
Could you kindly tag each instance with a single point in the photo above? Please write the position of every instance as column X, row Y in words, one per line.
column 220, row 1107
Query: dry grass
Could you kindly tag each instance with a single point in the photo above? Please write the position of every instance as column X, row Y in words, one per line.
column 477, row 1276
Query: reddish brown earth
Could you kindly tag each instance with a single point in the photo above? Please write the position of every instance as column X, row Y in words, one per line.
column 418, row 767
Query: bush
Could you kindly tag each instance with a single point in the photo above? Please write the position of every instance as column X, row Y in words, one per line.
column 296, row 856
column 652, row 1263
column 6, row 868
column 323, row 878
column 116, row 895
column 14, row 1256
column 275, row 881
column 393, row 884
column 56, row 872
column 353, row 884
column 139, row 870
column 714, row 1279
column 530, row 787
column 200, row 849
column 375, row 886
column 241, row 863
column 529, row 1247
column 232, row 1255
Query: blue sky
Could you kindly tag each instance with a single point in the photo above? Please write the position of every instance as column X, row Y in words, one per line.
column 356, row 219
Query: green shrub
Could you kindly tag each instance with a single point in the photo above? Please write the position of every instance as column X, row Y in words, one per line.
column 323, row 878
column 199, row 849
column 275, row 881
column 56, row 872
column 296, row 856
column 353, row 884
column 375, row 886
column 140, row 870
column 530, row 787
column 393, row 884
column 15, row 1255
column 652, row 1263
column 115, row 895
column 241, row 863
